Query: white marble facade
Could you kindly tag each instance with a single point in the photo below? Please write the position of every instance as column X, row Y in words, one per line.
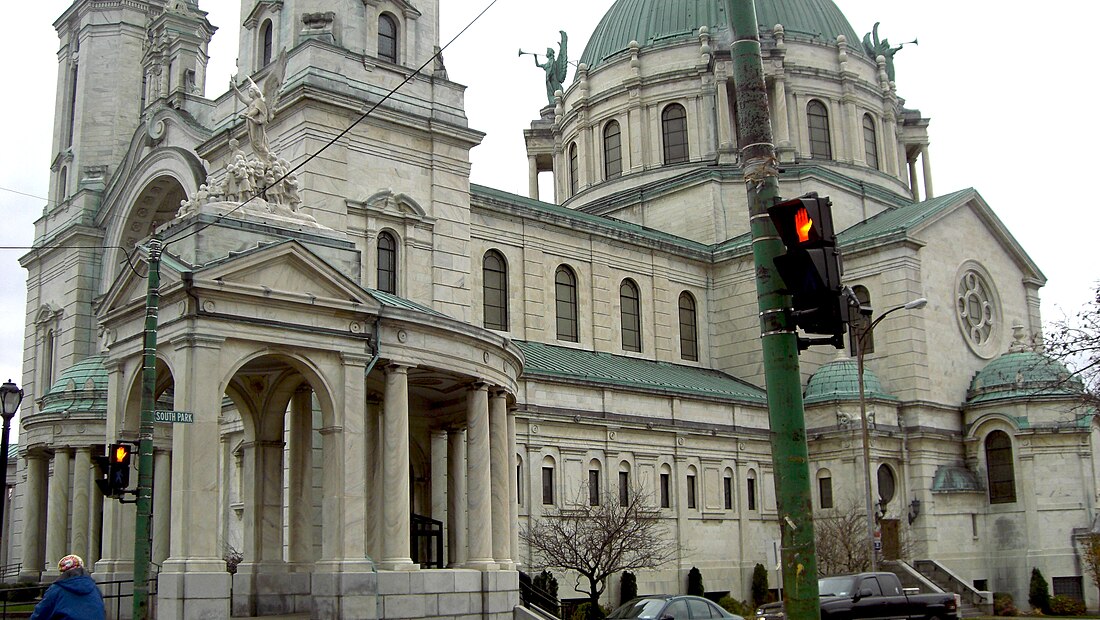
column 344, row 373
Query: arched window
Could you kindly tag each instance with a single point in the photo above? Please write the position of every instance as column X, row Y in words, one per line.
column 689, row 341
column 548, row 481
column 574, row 182
column 72, row 108
column 612, row 151
column 62, row 184
column 818, row 118
column 750, row 490
column 666, row 486
column 624, row 483
column 265, row 43
column 594, row 483
column 859, row 324
column 675, row 134
column 495, row 274
column 727, row 489
column 887, row 485
column 519, row 478
column 631, row 312
column 48, row 348
column 565, row 294
column 870, row 144
column 691, row 499
column 387, row 263
column 998, row 462
column 387, row 38
column 824, row 489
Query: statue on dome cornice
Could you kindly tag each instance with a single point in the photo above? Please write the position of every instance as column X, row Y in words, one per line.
column 556, row 67
column 876, row 48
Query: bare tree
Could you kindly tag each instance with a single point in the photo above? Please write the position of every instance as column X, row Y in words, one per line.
column 1075, row 341
column 600, row 540
column 1092, row 558
column 841, row 540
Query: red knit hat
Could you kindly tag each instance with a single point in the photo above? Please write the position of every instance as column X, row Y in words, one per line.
column 69, row 562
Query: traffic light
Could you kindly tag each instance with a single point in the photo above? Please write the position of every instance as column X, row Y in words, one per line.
column 115, row 466
column 811, row 267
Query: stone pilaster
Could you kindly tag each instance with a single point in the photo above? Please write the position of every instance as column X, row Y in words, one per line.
column 300, row 470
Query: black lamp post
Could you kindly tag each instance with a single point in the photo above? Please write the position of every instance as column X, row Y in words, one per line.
column 10, row 397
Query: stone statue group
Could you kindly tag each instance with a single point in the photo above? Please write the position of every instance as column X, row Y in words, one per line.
column 262, row 182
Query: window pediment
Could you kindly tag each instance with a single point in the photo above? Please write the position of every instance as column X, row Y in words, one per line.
column 406, row 8
column 262, row 7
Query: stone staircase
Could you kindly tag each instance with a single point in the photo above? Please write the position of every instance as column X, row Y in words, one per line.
column 972, row 602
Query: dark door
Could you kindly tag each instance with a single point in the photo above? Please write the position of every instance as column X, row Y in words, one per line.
column 891, row 539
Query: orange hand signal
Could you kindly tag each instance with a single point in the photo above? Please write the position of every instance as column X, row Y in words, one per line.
column 803, row 224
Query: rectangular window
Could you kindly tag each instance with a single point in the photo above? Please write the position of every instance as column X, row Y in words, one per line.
column 691, row 491
column 1073, row 587
column 593, row 487
column 519, row 484
column 752, row 493
column 666, row 501
column 825, row 492
column 727, row 492
column 624, row 488
column 548, row 485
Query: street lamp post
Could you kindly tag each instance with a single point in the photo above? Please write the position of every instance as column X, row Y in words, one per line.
column 10, row 396
column 864, row 333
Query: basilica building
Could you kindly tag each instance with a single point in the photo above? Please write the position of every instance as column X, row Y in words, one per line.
column 391, row 371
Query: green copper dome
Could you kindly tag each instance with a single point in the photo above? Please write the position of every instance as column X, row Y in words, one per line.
column 656, row 21
column 839, row 380
column 1022, row 374
column 81, row 388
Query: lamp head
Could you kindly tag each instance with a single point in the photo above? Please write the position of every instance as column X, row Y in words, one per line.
column 916, row 304
column 10, row 397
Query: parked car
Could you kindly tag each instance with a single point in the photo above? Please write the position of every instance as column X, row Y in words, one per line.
column 671, row 607
column 872, row 596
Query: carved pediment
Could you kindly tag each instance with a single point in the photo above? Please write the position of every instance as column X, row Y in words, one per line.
column 391, row 203
column 406, row 7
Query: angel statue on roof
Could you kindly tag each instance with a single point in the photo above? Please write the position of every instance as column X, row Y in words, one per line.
column 260, row 106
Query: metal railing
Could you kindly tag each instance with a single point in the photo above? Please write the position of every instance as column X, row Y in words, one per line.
column 532, row 596
column 18, row 601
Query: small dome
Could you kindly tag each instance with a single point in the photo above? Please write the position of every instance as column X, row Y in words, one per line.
column 1022, row 374
column 658, row 21
column 839, row 380
column 81, row 387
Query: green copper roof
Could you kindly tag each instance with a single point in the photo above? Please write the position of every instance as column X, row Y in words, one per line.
column 839, row 380
column 393, row 301
column 1022, row 375
column 82, row 388
column 651, row 22
column 620, row 371
column 901, row 219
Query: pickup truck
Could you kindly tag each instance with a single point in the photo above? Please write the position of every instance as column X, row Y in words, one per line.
column 872, row 596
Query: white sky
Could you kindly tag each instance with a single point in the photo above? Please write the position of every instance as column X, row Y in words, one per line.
column 1009, row 92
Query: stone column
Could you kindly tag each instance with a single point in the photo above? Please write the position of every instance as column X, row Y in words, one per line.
column 914, row 189
column 300, row 473
column 513, row 488
column 890, row 143
column 162, row 504
column 782, row 120
column 532, row 177
column 95, row 528
column 82, row 503
column 928, row 192
column 439, row 480
column 375, row 490
column 57, row 512
column 500, row 473
column 478, row 480
column 33, row 560
column 395, row 471
column 456, row 497
column 351, row 417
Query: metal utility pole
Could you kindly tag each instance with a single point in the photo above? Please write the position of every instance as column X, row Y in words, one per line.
column 143, row 543
column 778, row 335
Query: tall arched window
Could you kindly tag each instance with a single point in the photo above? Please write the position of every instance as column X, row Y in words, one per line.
column 387, row 38
column 612, row 151
column 689, row 339
column 574, row 165
column 691, row 487
column 62, row 184
column 750, row 490
column 565, row 294
column 548, row 480
column 624, row 483
column 818, row 118
column 48, row 347
column 387, row 263
column 631, row 312
column 266, row 43
column 870, row 144
column 594, row 483
column 859, row 324
column 495, row 274
column 824, row 489
column 674, row 133
column 998, row 462
column 665, row 484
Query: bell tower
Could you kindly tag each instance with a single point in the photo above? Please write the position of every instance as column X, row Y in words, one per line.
column 176, row 57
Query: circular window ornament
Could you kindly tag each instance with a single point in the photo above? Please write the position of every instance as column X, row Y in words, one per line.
column 977, row 311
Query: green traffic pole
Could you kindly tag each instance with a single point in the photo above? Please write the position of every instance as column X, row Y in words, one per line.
column 143, row 547
column 790, row 456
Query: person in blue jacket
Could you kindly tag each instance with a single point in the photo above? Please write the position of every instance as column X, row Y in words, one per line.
column 74, row 596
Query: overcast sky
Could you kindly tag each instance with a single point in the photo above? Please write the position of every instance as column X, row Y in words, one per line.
column 1009, row 92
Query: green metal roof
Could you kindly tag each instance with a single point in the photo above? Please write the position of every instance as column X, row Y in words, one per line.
column 955, row 478
column 652, row 22
column 630, row 372
column 393, row 301
column 81, row 387
column 901, row 219
column 839, row 380
column 1022, row 375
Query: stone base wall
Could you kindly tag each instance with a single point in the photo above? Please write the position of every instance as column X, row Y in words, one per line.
column 449, row 594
